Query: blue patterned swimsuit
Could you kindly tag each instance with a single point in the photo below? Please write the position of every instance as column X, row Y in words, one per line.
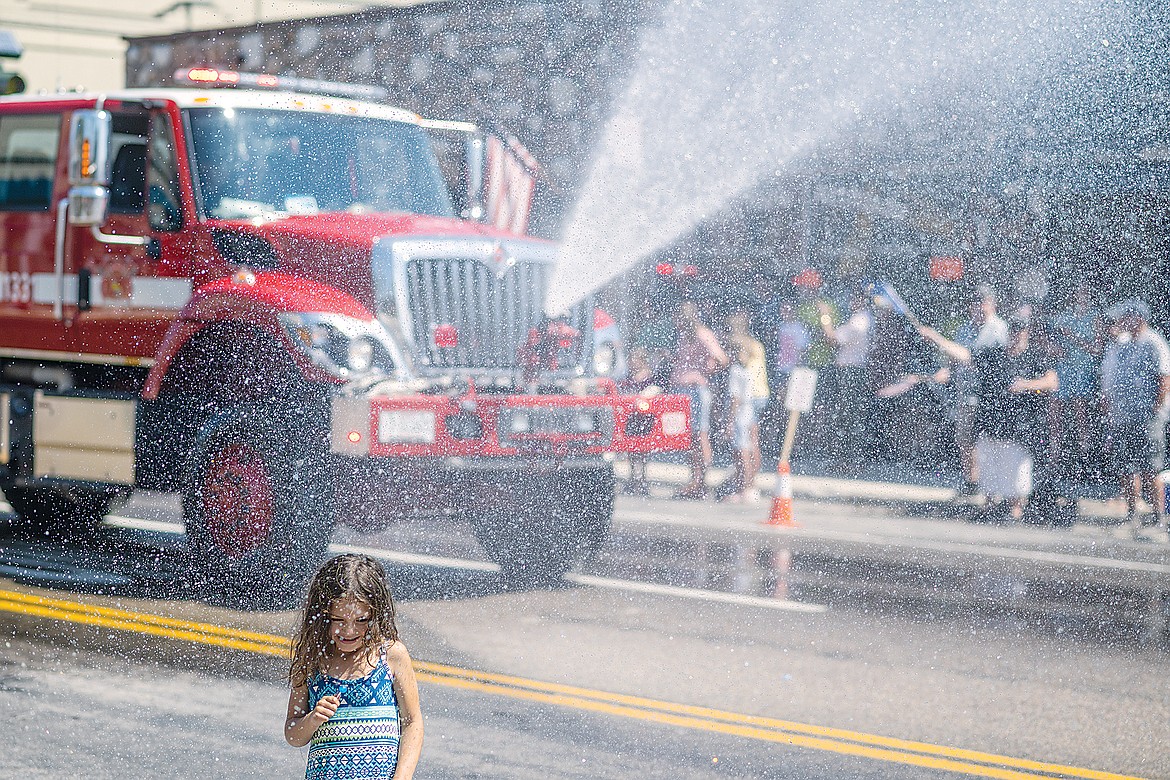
column 360, row 742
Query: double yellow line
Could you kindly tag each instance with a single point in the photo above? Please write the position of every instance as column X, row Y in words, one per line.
column 852, row 743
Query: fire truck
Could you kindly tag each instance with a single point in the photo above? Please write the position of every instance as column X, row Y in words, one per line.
column 265, row 302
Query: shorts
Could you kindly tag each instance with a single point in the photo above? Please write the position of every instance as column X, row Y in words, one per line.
column 1005, row 468
column 701, row 399
column 747, row 418
column 1136, row 448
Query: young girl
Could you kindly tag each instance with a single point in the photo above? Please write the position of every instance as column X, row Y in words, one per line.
column 354, row 698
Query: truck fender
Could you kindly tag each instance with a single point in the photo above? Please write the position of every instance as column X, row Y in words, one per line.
column 257, row 300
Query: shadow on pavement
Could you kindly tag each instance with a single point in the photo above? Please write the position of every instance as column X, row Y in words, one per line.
column 131, row 563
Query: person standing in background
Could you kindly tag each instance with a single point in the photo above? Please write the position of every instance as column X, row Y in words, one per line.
column 639, row 380
column 698, row 356
column 849, row 380
column 659, row 337
column 984, row 329
column 1135, row 386
column 609, row 350
column 748, row 391
column 1011, row 421
column 1077, row 347
column 792, row 339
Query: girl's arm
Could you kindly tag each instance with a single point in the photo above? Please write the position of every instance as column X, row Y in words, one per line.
column 299, row 723
column 409, row 713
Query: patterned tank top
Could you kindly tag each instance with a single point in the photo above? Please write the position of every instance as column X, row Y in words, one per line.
column 361, row 739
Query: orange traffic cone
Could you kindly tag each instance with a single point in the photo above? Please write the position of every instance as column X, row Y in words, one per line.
column 782, row 498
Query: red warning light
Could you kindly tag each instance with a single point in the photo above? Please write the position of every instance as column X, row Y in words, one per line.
column 946, row 269
column 809, row 278
column 690, row 270
column 664, row 269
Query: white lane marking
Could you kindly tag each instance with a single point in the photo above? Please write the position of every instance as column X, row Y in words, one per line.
column 695, row 593
column 140, row 524
column 413, row 559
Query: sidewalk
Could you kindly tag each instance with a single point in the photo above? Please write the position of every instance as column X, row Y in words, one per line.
column 926, row 501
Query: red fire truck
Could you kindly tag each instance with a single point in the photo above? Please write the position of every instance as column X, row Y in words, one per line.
column 265, row 302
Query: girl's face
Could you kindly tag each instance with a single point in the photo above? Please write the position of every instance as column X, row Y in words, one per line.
column 349, row 623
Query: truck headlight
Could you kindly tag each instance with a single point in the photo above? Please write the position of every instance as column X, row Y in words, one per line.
column 343, row 346
column 361, row 355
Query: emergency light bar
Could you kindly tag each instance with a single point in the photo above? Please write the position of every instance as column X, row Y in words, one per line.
column 214, row 77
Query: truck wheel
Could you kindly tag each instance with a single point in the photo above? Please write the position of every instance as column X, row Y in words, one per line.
column 554, row 521
column 60, row 511
column 258, row 503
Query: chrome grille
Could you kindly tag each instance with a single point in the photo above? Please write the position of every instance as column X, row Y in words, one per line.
column 492, row 313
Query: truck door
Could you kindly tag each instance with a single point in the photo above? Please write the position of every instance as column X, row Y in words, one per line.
column 32, row 182
column 128, row 294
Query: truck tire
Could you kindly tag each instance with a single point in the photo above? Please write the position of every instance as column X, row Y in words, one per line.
column 258, row 503
column 60, row 512
column 555, row 520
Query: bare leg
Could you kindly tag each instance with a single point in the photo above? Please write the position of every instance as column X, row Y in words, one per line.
column 1081, row 412
column 638, row 485
column 1056, row 413
column 1129, row 493
column 637, row 467
column 700, row 452
column 1149, row 491
column 752, row 457
column 965, row 441
column 739, row 457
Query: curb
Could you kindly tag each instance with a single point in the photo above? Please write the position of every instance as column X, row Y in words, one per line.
column 914, row 499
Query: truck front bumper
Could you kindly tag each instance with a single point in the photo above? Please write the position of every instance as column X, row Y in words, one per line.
column 479, row 427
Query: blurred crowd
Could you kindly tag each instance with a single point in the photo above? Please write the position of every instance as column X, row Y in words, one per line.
column 1023, row 402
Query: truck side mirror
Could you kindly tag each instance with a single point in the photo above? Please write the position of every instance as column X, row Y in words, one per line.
column 89, row 167
column 474, row 156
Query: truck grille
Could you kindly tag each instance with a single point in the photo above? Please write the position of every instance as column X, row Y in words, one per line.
column 491, row 313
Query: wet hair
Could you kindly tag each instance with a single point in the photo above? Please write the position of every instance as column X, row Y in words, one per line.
column 349, row 576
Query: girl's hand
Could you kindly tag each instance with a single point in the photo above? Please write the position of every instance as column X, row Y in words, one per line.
column 326, row 708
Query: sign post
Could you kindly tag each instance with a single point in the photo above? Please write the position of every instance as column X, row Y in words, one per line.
column 802, row 385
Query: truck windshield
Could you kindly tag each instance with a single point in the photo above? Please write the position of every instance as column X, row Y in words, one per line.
column 259, row 162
